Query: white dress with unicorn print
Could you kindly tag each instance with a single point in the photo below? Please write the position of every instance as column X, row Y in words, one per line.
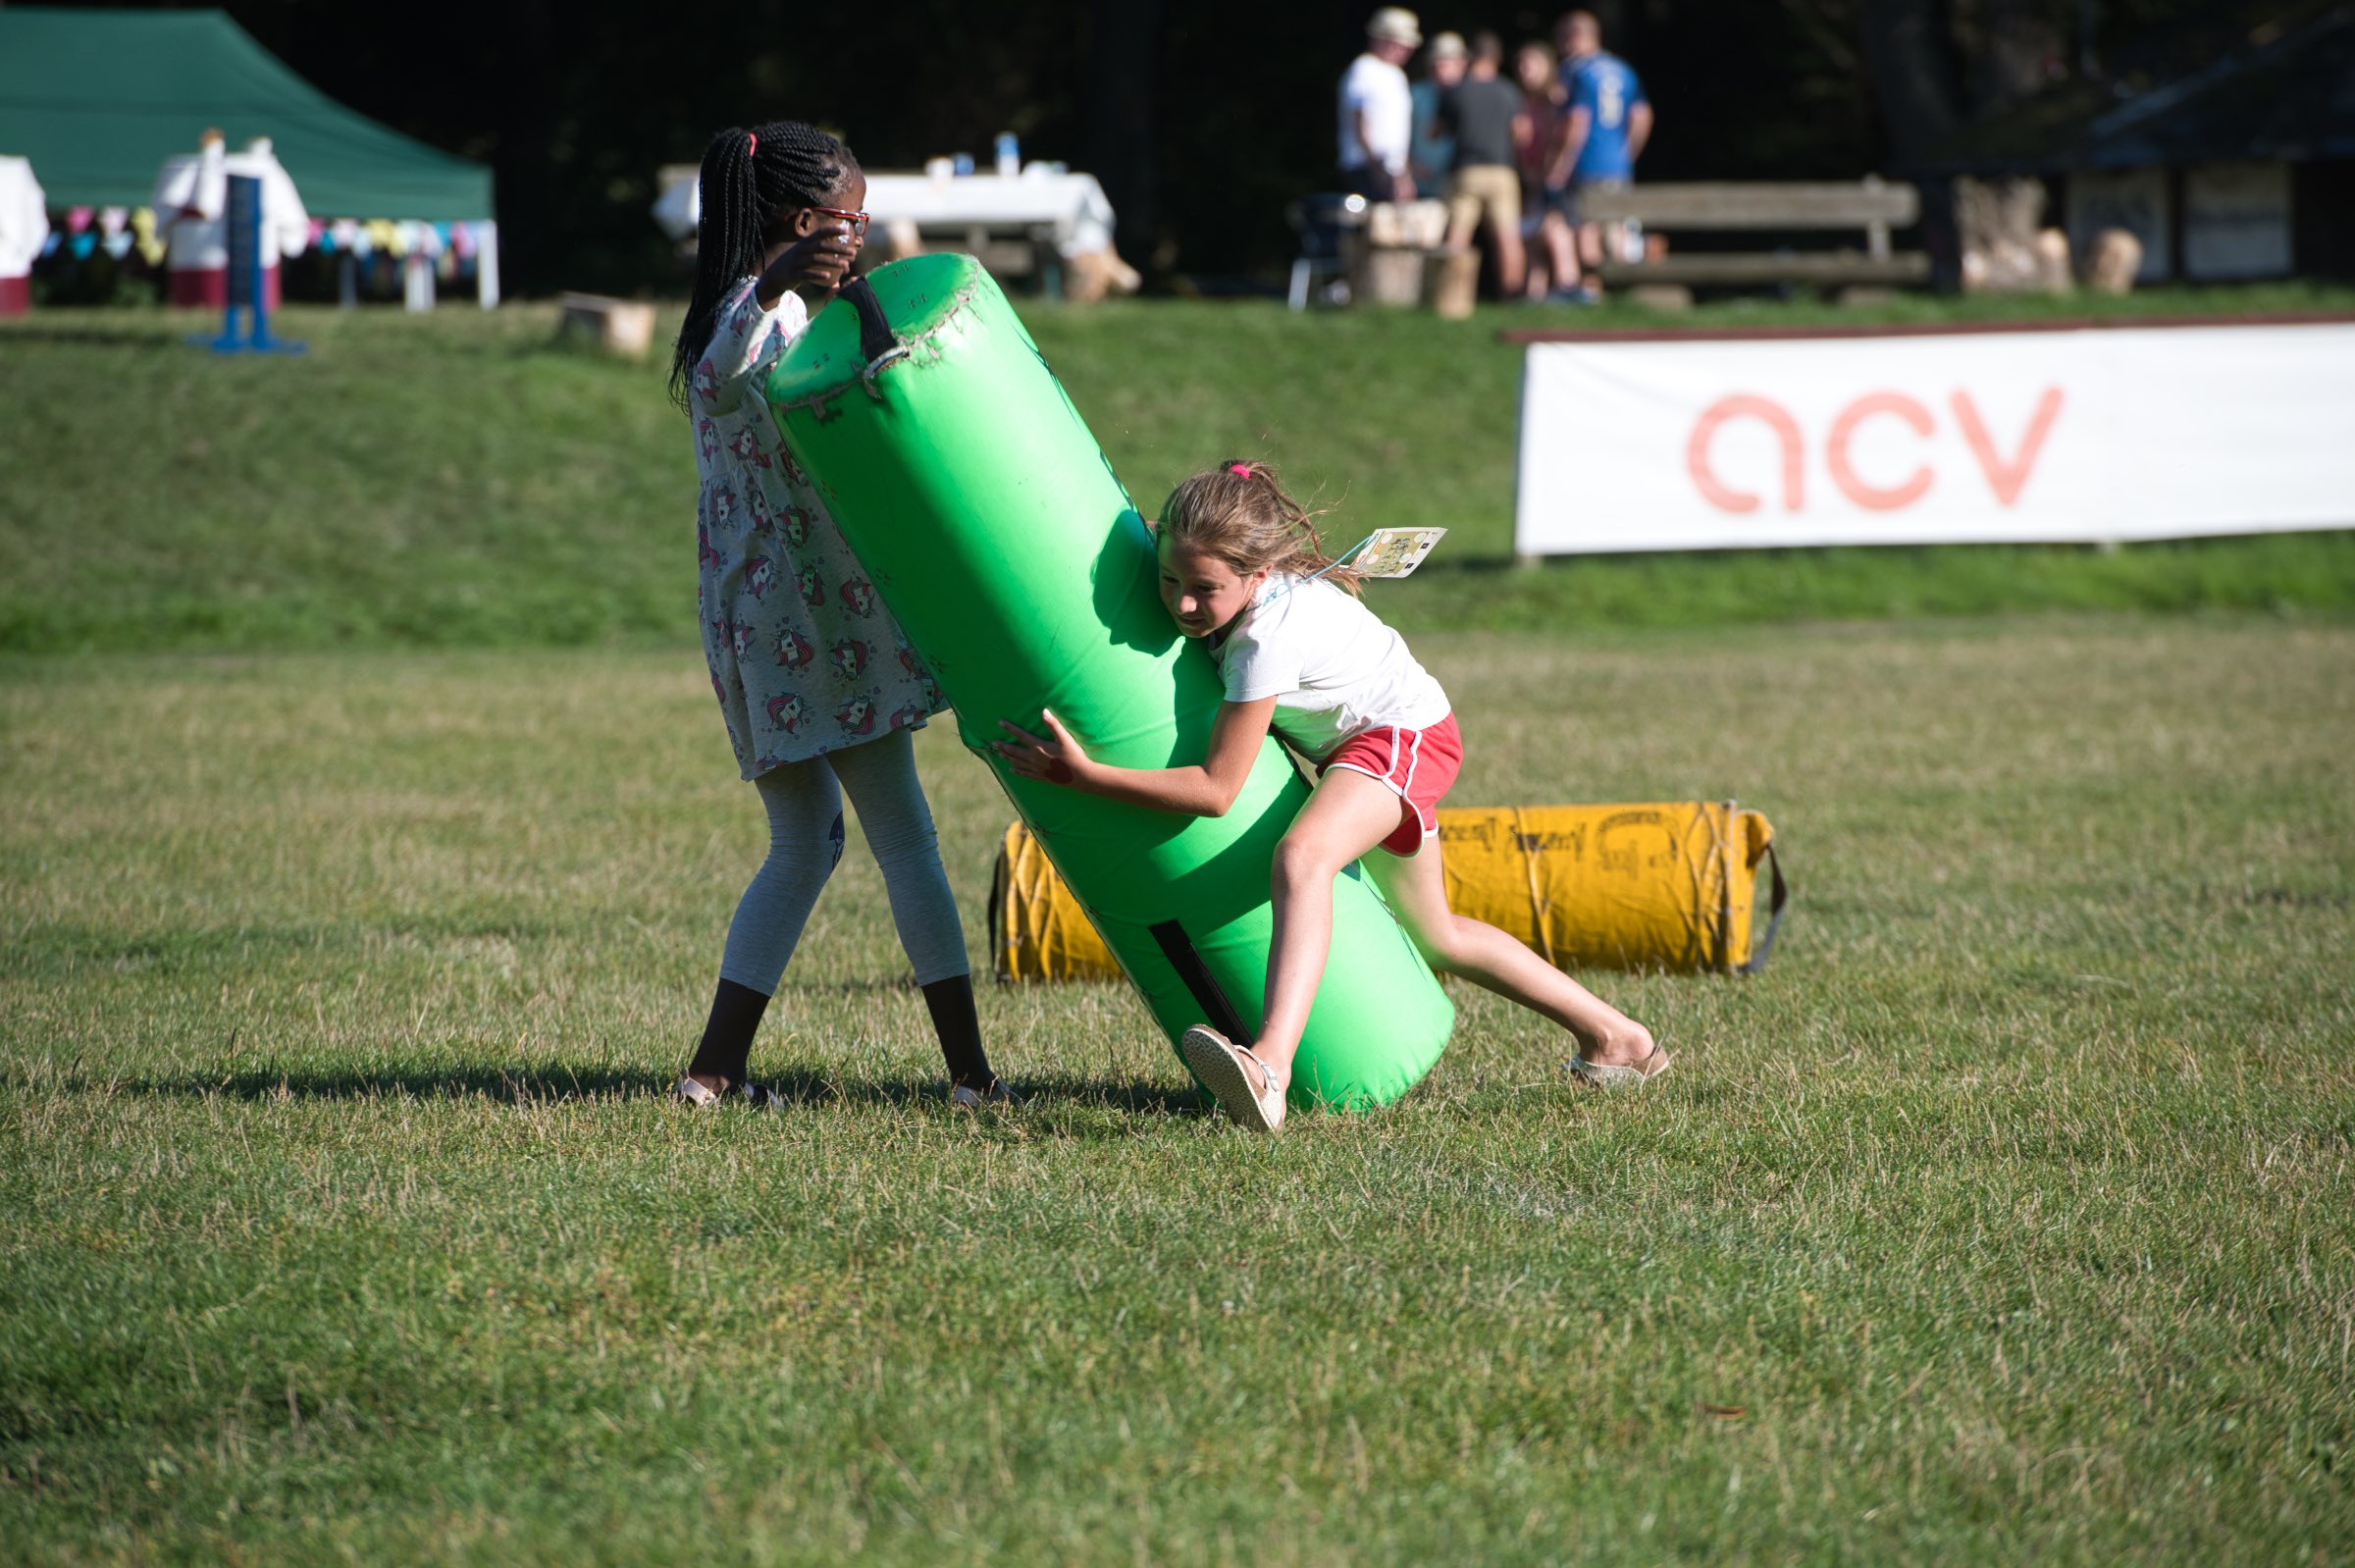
column 805, row 658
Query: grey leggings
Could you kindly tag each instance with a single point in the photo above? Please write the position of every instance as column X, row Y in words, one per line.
column 805, row 842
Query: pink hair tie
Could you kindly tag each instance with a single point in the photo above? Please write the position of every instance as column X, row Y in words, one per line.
column 752, row 144
column 1239, row 470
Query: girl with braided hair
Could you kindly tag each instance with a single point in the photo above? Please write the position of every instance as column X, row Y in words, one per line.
column 1244, row 573
column 817, row 685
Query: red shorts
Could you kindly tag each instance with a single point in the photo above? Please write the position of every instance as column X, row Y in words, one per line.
column 1420, row 765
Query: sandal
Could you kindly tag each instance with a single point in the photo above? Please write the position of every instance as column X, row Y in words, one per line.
column 1219, row 1062
column 1619, row 1074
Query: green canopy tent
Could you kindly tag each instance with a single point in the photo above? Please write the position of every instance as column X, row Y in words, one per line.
column 99, row 99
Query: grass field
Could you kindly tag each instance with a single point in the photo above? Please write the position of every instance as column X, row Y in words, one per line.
column 2010, row 1216
column 460, row 481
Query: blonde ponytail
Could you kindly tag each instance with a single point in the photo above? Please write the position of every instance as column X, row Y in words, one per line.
column 1240, row 513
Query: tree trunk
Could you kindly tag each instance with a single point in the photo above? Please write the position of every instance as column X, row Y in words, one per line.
column 2021, row 53
column 2015, row 53
column 1911, row 63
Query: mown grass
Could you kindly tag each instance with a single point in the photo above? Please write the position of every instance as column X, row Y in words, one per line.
column 460, row 481
column 2005, row 1218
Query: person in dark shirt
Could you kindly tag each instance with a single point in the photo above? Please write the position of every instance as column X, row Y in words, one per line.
column 1431, row 154
column 1545, row 221
column 1484, row 113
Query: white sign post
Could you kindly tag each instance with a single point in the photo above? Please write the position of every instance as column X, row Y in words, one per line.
column 1958, row 436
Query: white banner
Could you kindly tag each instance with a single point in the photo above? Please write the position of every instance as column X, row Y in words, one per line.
column 2148, row 433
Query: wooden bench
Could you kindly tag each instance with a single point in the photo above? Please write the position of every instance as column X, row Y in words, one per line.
column 1871, row 205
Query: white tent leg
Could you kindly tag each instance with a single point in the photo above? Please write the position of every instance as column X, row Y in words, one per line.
column 486, row 267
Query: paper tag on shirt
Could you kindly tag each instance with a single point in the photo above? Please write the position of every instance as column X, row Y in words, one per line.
column 1394, row 552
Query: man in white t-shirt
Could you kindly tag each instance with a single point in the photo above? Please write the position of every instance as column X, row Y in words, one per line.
column 1377, row 109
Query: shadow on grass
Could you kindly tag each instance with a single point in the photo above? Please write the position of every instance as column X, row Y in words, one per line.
column 164, row 336
column 557, row 1083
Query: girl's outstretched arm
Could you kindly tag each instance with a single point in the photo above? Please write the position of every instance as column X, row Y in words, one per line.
column 1203, row 789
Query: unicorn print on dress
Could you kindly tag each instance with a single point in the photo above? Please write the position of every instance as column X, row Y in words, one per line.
column 859, row 595
column 913, row 664
column 706, row 439
column 908, row 715
column 705, row 553
column 742, row 634
column 748, row 448
column 797, row 526
column 764, row 521
column 856, row 716
column 785, row 713
column 849, row 658
column 812, row 587
column 793, row 650
column 759, row 575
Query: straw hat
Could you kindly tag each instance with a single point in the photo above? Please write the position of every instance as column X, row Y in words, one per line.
column 1394, row 24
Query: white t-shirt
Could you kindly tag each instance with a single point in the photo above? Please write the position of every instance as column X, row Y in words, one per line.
column 1334, row 668
column 1380, row 89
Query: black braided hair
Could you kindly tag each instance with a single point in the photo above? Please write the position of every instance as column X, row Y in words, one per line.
column 751, row 179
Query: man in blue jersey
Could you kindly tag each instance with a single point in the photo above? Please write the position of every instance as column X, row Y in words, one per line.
column 1603, row 132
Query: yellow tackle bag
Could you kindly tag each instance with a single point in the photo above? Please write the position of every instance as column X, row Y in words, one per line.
column 1666, row 886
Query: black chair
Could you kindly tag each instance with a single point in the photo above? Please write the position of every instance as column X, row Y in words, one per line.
column 1321, row 221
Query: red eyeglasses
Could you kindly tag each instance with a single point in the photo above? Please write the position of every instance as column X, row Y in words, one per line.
column 858, row 221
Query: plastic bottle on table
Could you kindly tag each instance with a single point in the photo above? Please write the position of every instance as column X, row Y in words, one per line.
column 1010, row 155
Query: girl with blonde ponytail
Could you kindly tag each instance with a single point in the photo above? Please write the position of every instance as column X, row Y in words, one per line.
column 1244, row 572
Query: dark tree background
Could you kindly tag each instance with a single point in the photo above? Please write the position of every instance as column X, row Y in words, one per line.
column 1201, row 117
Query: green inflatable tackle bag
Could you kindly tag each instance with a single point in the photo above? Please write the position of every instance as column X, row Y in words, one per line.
column 997, row 534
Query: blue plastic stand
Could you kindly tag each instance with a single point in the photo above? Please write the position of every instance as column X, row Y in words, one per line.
column 246, row 291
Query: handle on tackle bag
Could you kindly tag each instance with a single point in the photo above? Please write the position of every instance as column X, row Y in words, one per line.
column 876, row 344
column 1778, row 895
column 1000, row 879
